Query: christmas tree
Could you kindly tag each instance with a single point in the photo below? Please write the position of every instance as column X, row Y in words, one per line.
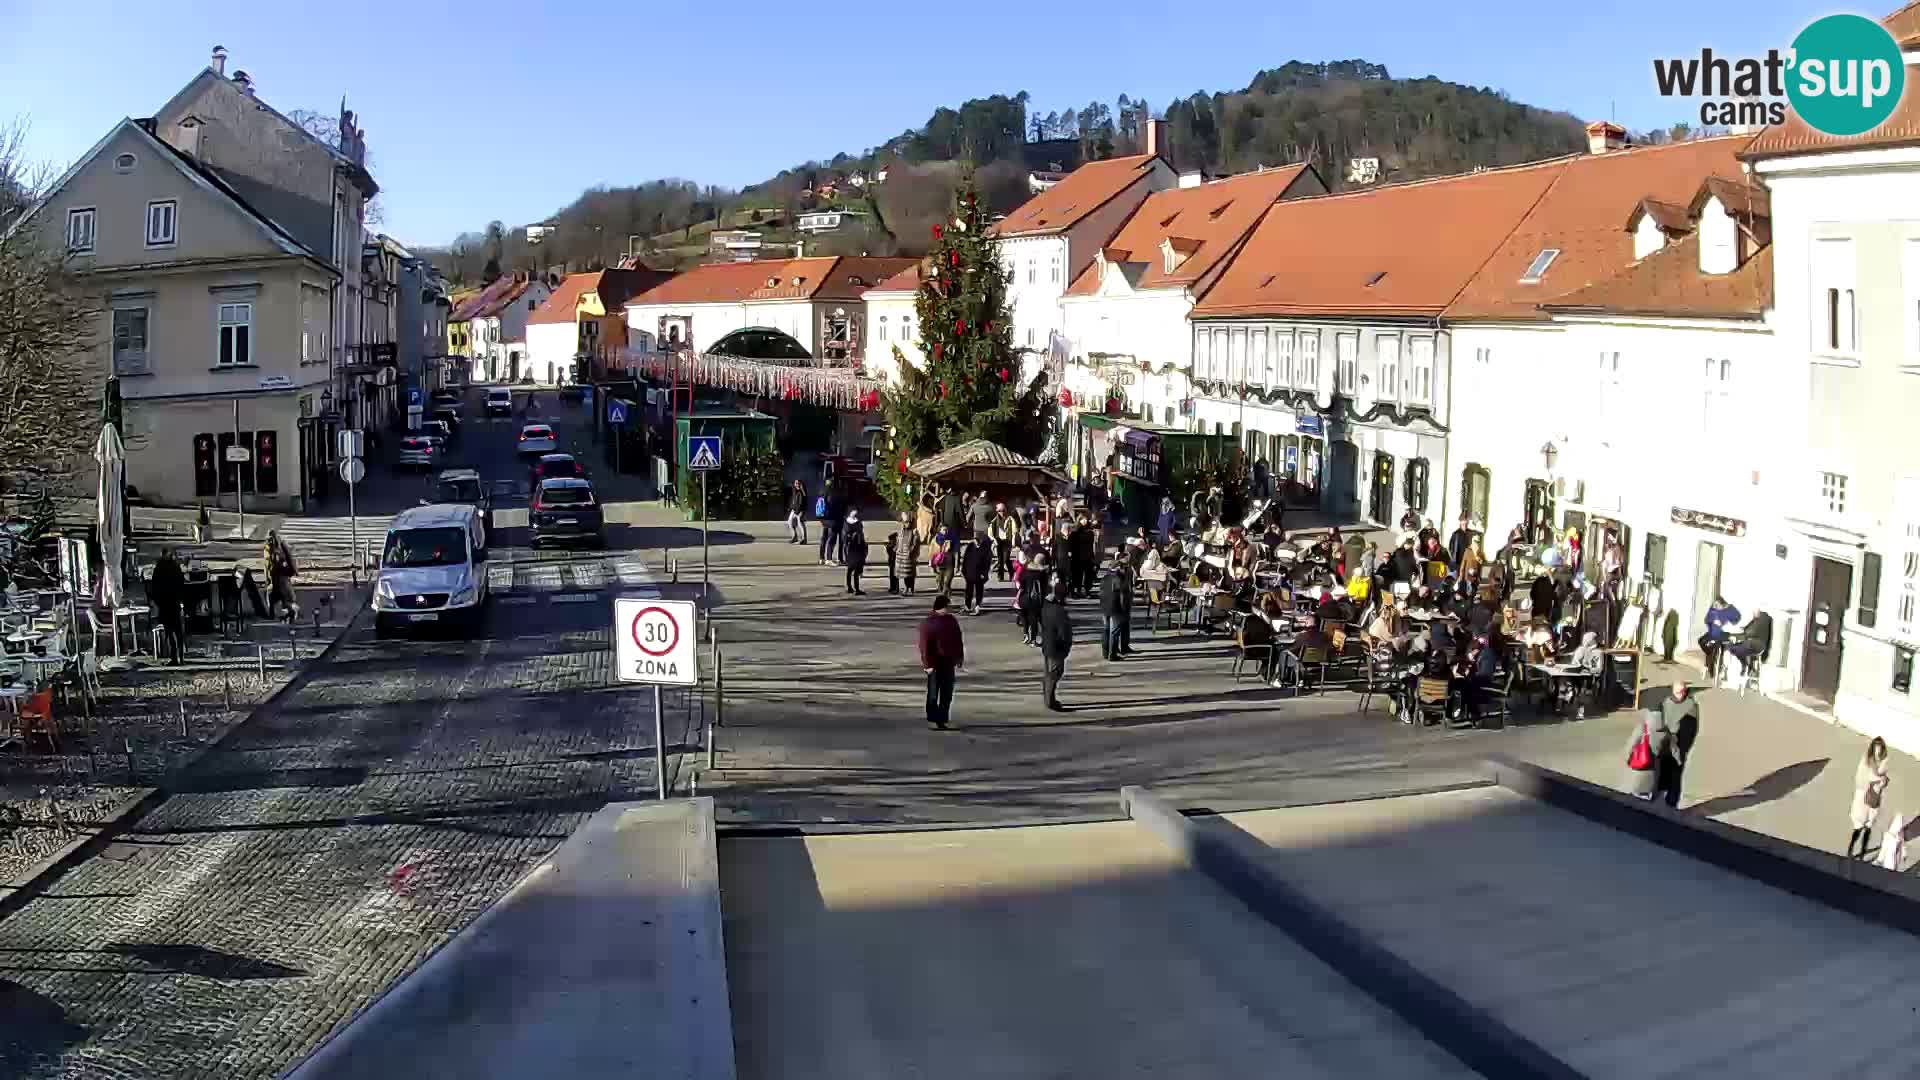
column 965, row 384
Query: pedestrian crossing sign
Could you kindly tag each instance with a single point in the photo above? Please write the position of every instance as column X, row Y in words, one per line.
column 703, row 452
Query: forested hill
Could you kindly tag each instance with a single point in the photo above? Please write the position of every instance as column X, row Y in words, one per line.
column 1324, row 113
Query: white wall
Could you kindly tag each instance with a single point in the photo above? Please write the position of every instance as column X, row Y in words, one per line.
column 897, row 309
column 551, row 347
column 711, row 322
column 1035, row 305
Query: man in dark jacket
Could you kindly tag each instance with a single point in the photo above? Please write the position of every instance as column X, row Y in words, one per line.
column 1056, row 641
column 797, row 506
column 1114, row 594
column 1085, row 552
column 1544, row 597
column 1034, row 590
column 1682, row 715
column 942, row 653
column 1405, row 565
column 830, row 526
column 168, row 591
column 1457, row 543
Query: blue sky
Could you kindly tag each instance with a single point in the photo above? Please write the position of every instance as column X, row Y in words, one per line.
column 494, row 110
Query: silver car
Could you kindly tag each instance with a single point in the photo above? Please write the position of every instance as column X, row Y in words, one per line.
column 419, row 452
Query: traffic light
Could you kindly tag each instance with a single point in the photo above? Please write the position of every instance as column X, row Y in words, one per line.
column 206, row 473
column 266, row 479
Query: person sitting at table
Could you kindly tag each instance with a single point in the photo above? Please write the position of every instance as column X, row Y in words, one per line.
column 1589, row 656
column 168, row 590
column 1272, row 536
column 1389, row 628
column 1335, row 608
column 1482, row 662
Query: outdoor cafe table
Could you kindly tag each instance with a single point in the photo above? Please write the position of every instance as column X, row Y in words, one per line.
column 1578, row 677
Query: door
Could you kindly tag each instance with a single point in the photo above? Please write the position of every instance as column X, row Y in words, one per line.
column 1539, row 504
column 1832, row 589
column 1380, row 499
column 1706, row 586
column 1344, row 482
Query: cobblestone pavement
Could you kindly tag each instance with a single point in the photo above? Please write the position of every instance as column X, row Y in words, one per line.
column 332, row 841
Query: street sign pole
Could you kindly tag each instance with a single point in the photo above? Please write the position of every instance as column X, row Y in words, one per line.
column 659, row 747
column 353, row 525
column 239, row 484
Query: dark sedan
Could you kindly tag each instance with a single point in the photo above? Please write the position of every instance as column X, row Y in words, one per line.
column 566, row 512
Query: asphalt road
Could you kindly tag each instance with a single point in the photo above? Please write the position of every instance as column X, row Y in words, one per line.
column 336, row 839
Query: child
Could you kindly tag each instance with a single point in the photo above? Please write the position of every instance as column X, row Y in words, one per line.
column 893, row 574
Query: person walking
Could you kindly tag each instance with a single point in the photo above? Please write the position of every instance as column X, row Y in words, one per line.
column 906, row 552
column 797, row 514
column 980, row 518
column 833, row 511
column 1034, row 590
column 1114, row 595
column 976, row 565
column 944, row 559
column 1001, row 530
column 1085, row 547
column 168, row 591
column 1168, row 522
column 854, row 542
column 280, row 574
column 1056, row 641
column 1870, row 781
column 943, row 653
column 1457, row 543
column 1682, row 715
column 1649, row 742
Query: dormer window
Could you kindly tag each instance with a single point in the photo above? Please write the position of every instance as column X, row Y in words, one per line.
column 773, row 283
column 123, row 163
column 797, row 281
column 1537, row 269
column 856, row 279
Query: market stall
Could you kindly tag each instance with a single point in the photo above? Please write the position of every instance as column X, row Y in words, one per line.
column 978, row 466
column 1142, row 459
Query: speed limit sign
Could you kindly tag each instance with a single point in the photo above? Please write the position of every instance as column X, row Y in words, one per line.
column 653, row 641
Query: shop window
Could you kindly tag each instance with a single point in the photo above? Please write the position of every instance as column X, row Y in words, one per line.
column 206, row 471
column 1656, row 559
column 1868, row 613
column 1902, row 669
column 1539, row 507
column 1416, row 486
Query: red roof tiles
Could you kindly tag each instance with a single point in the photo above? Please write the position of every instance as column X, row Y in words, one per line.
column 1203, row 224
column 563, row 305
column 1902, row 128
column 1669, row 283
column 1080, row 193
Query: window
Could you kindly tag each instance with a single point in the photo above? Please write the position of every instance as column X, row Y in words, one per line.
column 80, row 231
column 1202, row 354
column 1030, row 271
column 1417, row 473
column 1029, row 337
column 1833, row 492
column 1606, row 391
column 160, row 222
column 1237, row 356
column 1222, row 363
column 1483, row 357
column 1537, row 269
column 1717, row 393
column 1910, row 277
column 1868, row 614
column 124, row 163
column 1833, row 282
column 1388, row 351
column 1056, row 269
column 1476, row 488
column 1906, row 608
column 906, row 328
column 1347, row 348
column 882, row 328
column 130, row 341
column 1656, row 558
column 1308, row 369
column 1282, row 358
column 1257, row 372
column 236, row 334
column 1420, row 372
column 1902, row 669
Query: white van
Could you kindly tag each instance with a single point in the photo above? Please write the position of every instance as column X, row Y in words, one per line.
column 433, row 570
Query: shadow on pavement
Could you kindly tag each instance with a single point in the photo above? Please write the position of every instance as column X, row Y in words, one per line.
column 333, row 777
column 625, row 535
column 1774, row 785
column 203, row 961
column 33, row 1028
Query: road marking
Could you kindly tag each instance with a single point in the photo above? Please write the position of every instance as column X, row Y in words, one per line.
column 574, row 598
column 500, row 578
column 632, row 573
column 588, row 575
column 517, row 601
column 544, row 578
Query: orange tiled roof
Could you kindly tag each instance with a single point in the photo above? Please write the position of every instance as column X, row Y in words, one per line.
column 853, row 275
column 1407, row 249
column 1669, row 282
column 1742, row 199
column 1203, row 223
column 1080, row 193
column 491, row 300
column 907, row 280
column 715, row 283
column 1670, row 217
column 1902, row 128
column 563, row 305
column 1580, row 216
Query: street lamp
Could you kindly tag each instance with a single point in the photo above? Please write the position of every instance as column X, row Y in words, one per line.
column 1548, row 452
column 326, row 401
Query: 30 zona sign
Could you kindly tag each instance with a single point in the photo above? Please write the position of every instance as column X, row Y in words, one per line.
column 653, row 641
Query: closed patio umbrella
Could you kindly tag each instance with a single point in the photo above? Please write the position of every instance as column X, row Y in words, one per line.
column 112, row 510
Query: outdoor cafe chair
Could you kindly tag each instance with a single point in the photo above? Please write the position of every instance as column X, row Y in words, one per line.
column 1431, row 696
column 36, row 718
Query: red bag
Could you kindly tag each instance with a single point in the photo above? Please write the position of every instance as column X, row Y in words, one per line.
column 1641, row 758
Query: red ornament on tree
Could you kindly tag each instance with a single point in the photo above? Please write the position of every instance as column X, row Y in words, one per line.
column 989, row 326
column 936, row 232
column 960, row 327
column 943, row 388
column 936, row 351
column 954, row 257
column 1003, row 375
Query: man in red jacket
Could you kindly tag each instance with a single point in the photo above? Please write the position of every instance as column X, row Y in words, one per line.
column 942, row 653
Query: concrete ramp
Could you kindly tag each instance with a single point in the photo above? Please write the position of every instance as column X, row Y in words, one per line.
column 605, row 961
column 1041, row 953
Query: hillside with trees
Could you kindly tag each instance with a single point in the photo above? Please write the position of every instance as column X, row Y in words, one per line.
column 1324, row 113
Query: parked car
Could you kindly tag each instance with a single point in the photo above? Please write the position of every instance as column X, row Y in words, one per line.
column 449, row 416
column 537, row 439
column 433, row 570
column 551, row 466
column 565, row 511
column 463, row 487
column 418, row 452
column 499, row 401
column 445, row 399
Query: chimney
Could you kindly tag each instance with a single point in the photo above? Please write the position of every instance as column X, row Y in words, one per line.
column 1156, row 138
column 220, row 60
column 1605, row 135
column 1192, row 179
column 244, row 81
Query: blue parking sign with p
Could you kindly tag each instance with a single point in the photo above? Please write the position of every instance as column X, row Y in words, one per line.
column 703, row 452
